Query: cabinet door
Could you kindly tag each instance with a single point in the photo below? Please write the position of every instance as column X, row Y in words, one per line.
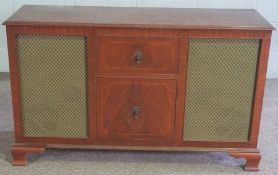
column 221, row 77
column 135, row 109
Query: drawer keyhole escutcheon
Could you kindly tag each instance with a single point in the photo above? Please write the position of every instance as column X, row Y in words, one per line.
column 136, row 110
column 138, row 56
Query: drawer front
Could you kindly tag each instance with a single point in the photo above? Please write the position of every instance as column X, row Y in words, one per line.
column 131, row 109
column 137, row 55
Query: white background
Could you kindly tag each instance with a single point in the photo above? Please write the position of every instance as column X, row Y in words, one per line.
column 268, row 8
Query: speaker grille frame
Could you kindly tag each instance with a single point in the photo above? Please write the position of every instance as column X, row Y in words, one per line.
column 193, row 130
column 65, row 113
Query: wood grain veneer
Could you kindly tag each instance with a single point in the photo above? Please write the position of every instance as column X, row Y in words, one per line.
column 118, row 55
column 155, row 100
column 116, row 83
column 146, row 17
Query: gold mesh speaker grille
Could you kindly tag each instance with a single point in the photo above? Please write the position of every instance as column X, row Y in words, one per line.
column 53, row 82
column 220, row 88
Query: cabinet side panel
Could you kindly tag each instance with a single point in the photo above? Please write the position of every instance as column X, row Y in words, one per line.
column 220, row 88
column 53, row 85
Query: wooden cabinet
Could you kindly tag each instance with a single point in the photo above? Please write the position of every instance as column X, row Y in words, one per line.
column 137, row 79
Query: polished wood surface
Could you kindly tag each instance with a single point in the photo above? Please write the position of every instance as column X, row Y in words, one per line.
column 157, row 83
column 139, row 17
column 54, row 15
column 139, row 148
column 252, row 159
column 181, row 18
column 19, row 154
column 121, row 55
column 145, row 111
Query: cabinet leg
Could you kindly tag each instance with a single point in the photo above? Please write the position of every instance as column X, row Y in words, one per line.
column 252, row 160
column 19, row 154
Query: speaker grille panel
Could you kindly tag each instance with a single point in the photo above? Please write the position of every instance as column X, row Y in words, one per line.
column 53, row 85
column 220, row 88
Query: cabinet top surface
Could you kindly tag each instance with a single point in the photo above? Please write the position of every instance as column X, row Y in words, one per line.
column 139, row 17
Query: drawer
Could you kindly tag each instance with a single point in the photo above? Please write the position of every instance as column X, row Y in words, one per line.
column 140, row 55
column 130, row 109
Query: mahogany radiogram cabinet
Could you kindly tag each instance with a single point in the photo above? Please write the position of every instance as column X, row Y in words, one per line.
column 129, row 78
